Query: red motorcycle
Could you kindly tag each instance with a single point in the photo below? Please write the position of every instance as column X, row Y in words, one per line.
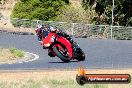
column 59, row 46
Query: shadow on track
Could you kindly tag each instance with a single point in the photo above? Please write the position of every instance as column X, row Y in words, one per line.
column 64, row 62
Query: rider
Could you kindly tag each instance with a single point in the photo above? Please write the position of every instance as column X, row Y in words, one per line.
column 59, row 33
column 39, row 30
column 43, row 30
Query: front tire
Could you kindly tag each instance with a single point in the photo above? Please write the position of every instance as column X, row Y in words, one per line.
column 81, row 55
column 60, row 55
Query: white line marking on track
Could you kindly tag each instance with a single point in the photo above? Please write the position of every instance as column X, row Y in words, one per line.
column 36, row 57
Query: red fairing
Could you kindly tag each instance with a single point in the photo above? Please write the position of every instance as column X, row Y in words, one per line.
column 65, row 42
column 46, row 40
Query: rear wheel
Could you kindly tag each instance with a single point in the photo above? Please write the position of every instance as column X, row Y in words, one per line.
column 61, row 54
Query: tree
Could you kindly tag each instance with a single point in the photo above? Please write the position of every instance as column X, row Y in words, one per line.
column 70, row 13
column 38, row 9
column 122, row 11
column 87, row 3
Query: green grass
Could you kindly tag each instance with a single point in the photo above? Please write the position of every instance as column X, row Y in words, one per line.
column 68, row 83
column 8, row 55
column 53, row 83
column 16, row 52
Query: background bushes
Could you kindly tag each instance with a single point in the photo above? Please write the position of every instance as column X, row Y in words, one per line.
column 37, row 9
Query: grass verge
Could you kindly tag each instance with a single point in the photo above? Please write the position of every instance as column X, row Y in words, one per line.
column 11, row 54
column 44, row 79
column 16, row 52
column 54, row 79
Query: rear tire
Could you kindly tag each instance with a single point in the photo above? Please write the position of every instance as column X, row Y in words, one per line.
column 60, row 55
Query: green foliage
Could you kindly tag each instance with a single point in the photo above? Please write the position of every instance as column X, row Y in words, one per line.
column 26, row 23
column 129, row 22
column 19, row 53
column 122, row 33
column 38, row 9
column 12, row 50
column 77, row 15
column 16, row 52
column 87, row 3
column 122, row 11
column 23, row 0
column 16, row 22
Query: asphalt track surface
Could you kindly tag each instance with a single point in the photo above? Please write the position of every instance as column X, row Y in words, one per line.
column 99, row 53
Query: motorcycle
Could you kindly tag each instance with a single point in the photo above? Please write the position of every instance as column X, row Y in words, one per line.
column 61, row 47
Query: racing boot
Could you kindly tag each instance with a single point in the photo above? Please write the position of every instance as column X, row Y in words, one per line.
column 50, row 54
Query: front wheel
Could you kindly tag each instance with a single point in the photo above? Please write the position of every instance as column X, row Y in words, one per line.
column 60, row 54
column 80, row 55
